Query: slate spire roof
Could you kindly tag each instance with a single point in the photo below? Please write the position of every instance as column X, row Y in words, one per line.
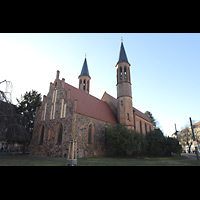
column 122, row 55
column 85, row 71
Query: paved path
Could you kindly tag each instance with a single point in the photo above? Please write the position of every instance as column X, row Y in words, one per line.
column 189, row 156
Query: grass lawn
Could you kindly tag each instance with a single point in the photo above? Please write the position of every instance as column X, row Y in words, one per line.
column 163, row 161
column 27, row 160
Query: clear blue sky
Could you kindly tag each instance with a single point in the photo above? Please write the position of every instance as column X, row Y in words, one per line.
column 165, row 68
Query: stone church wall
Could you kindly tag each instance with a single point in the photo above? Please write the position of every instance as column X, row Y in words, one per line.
column 97, row 147
column 49, row 146
column 143, row 122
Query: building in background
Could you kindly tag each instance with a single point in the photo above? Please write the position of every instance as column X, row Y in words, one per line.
column 185, row 137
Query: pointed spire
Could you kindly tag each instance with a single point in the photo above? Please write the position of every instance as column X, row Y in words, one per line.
column 85, row 71
column 122, row 54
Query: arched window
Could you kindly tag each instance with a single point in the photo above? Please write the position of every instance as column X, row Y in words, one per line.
column 120, row 73
column 49, row 134
column 129, row 79
column 145, row 128
column 84, row 85
column 88, row 86
column 140, row 127
column 117, row 74
column 125, row 74
column 59, row 134
column 128, row 116
column 80, row 84
column 41, row 135
column 90, row 134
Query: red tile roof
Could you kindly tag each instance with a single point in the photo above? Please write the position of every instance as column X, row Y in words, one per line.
column 90, row 106
column 197, row 124
column 137, row 112
column 140, row 114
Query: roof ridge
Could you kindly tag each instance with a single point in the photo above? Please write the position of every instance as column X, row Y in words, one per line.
column 85, row 93
column 138, row 111
column 90, row 105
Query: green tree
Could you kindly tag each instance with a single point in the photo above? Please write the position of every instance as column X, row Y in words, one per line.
column 149, row 114
column 27, row 107
column 172, row 146
column 121, row 141
column 155, row 143
column 159, row 145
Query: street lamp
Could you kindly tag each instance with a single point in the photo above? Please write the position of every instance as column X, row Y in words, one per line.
column 176, row 132
column 196, row 149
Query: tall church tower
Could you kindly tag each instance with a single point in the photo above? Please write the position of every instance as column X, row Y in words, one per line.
column 84, row 78
column 124, row 94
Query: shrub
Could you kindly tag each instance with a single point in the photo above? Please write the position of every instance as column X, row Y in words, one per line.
column 121, row 141
column 159, row 145
column 172, row 146
column 155, row 143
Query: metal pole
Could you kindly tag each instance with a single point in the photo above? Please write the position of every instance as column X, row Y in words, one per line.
column 196, row 149
column 176, row 132
column 73, row 153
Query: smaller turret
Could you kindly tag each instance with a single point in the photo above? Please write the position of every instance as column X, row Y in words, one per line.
column 84, row 78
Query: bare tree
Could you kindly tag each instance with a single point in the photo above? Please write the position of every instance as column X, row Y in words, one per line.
column 6, row 95
column 11, row 124
column 185, row 136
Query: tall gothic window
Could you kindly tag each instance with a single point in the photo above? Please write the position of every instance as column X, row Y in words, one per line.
column 88, row 86
column 41, row 135
column 145, row 128
column 49, row 134
column 62, row 109
column 129, row 79
column 140, row 127
column 127, row 116
column 59, row 134
column 125, row 74
column 120, row 73
column 90, row 134
column 53, row 105
column 117, row 75
column 80, row 84
column 84, row 85
column 44, row 112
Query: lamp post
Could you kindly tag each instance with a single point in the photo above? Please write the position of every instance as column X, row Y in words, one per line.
column 176, row 132
column 196, row 149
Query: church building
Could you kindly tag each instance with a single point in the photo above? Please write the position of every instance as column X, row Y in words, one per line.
column 70, row 113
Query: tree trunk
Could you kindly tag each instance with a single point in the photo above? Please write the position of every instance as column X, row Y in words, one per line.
column 23, row 148
column 189, row 148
